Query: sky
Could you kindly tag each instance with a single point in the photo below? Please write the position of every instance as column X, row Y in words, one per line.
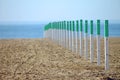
column 57, row 10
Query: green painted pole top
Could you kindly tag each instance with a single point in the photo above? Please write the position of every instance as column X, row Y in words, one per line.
column 106, row 29
column 64, row 25
column 98, row 27
column 47, row 27
column 61, row 25
column 81, row 25
column 77, row 25
column 70, row 26
column 57, row 25
column 53, row 25
column 73, row 26
column 67, row 25
column 86, row 26
column 91, row 27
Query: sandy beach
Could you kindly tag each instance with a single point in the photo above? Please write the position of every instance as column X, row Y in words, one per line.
column 41, row 59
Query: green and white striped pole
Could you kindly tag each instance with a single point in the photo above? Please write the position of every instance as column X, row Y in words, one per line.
column 47, row 31
column 54, row 32
column 73, row 37
column 64, row 34
column 81, row 37
column 54, row 29
column 106, row 44
column 51, row 32
column 63, row 41
column 71, row 34
column 86, row 39
column 77, row 37
column 98, row 42
column 68, row 34
column 61, row 32
column 64, row 29
column 91, row 41
column 57, row 32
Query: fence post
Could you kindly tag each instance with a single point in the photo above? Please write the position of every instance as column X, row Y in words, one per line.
column 91, row 41
column 73, row 35
column 98, row 42
column 77, row 37
column 66, row 42
column 70, row 36
column 86, row 39
column 61, row 32
column 106, row 46
column 81, row 37
column 67, row 34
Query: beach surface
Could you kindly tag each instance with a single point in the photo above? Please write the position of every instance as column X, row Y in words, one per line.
column 41, row 59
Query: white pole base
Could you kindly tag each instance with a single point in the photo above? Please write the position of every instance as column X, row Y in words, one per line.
column 98, row 49
column 81, row 52
column 91, row 49
column 86, row 47
column 106, row 46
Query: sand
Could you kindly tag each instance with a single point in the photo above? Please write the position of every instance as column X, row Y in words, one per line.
column 41, row 59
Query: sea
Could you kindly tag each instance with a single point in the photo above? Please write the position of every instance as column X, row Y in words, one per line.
column 13, row 31
column 21, row 31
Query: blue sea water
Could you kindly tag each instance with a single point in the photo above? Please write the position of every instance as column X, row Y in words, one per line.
column 36, row 31
column 21, row 31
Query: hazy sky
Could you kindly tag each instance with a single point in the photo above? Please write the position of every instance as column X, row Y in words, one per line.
column 52, row 10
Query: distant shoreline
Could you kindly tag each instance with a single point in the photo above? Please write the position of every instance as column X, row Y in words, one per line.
column 41, row 38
